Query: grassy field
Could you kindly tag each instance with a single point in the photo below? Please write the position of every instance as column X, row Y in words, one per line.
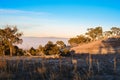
column 78, row 67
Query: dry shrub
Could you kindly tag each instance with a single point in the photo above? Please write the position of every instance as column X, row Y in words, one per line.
column 3, row 64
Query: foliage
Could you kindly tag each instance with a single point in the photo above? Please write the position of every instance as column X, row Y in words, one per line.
column 40, row 50
column 51, row 49
column 61, row 44
column 10, row 36
column 65, row 52
column 115, row 31
column 33, row 51
column 107, row 33
column 59, row 48
column 78, row 40
column 95, row 33
column 18, row 51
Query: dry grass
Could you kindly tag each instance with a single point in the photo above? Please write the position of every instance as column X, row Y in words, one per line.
column 36, row 68
column 110, row 45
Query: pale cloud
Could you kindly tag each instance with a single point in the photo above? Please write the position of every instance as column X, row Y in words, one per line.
column 24, row 19
column 13, row 11
column 40, row 24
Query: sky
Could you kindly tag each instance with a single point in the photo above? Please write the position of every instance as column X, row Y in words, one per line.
column 59, row 18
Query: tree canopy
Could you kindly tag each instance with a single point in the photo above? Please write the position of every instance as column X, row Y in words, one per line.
column 95, row 33
column 10, row 36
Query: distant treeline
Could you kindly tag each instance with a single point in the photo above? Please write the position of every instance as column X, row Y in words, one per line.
column 93, row 34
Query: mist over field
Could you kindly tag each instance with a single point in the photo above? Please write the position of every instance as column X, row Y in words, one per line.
column 29, row 42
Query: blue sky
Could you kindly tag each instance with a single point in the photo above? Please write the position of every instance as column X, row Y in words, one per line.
column 59, row 18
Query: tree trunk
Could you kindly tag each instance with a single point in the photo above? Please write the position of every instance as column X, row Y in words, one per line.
column 11, row 48
column 11, row 51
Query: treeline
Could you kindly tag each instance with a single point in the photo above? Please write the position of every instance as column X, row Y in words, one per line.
column 58, row 48
column 10, row 37
column 93, row 34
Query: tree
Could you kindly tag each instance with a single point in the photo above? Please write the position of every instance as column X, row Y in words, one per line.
column 61, row 44
column 107, row 33
column 40, row 50
column 83, row 39
column 65, row 52
column 18, row 51
column 73, row 41
column 2, row 42
column 10, row 36
column 33, row 51
column 115, row 31
column 95, row 33
column 78, row 40
column 51, row 49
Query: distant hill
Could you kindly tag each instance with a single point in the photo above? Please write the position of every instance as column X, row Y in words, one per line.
column 110, row 45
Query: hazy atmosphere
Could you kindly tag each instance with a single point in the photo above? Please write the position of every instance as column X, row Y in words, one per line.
column 59, row 18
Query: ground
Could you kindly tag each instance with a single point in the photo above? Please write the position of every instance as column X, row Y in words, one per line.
column 76, row 67
column 104, row 46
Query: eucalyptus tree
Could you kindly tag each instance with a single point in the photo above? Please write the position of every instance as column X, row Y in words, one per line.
column 2, row 42
column 95, row 33
column 107, row 34
column 10, row 36
column 115, row 31
column 51, row 49
column 61, row 44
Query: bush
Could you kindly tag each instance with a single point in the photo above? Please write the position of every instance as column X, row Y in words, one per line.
column 51, row 49
column 33, row 51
